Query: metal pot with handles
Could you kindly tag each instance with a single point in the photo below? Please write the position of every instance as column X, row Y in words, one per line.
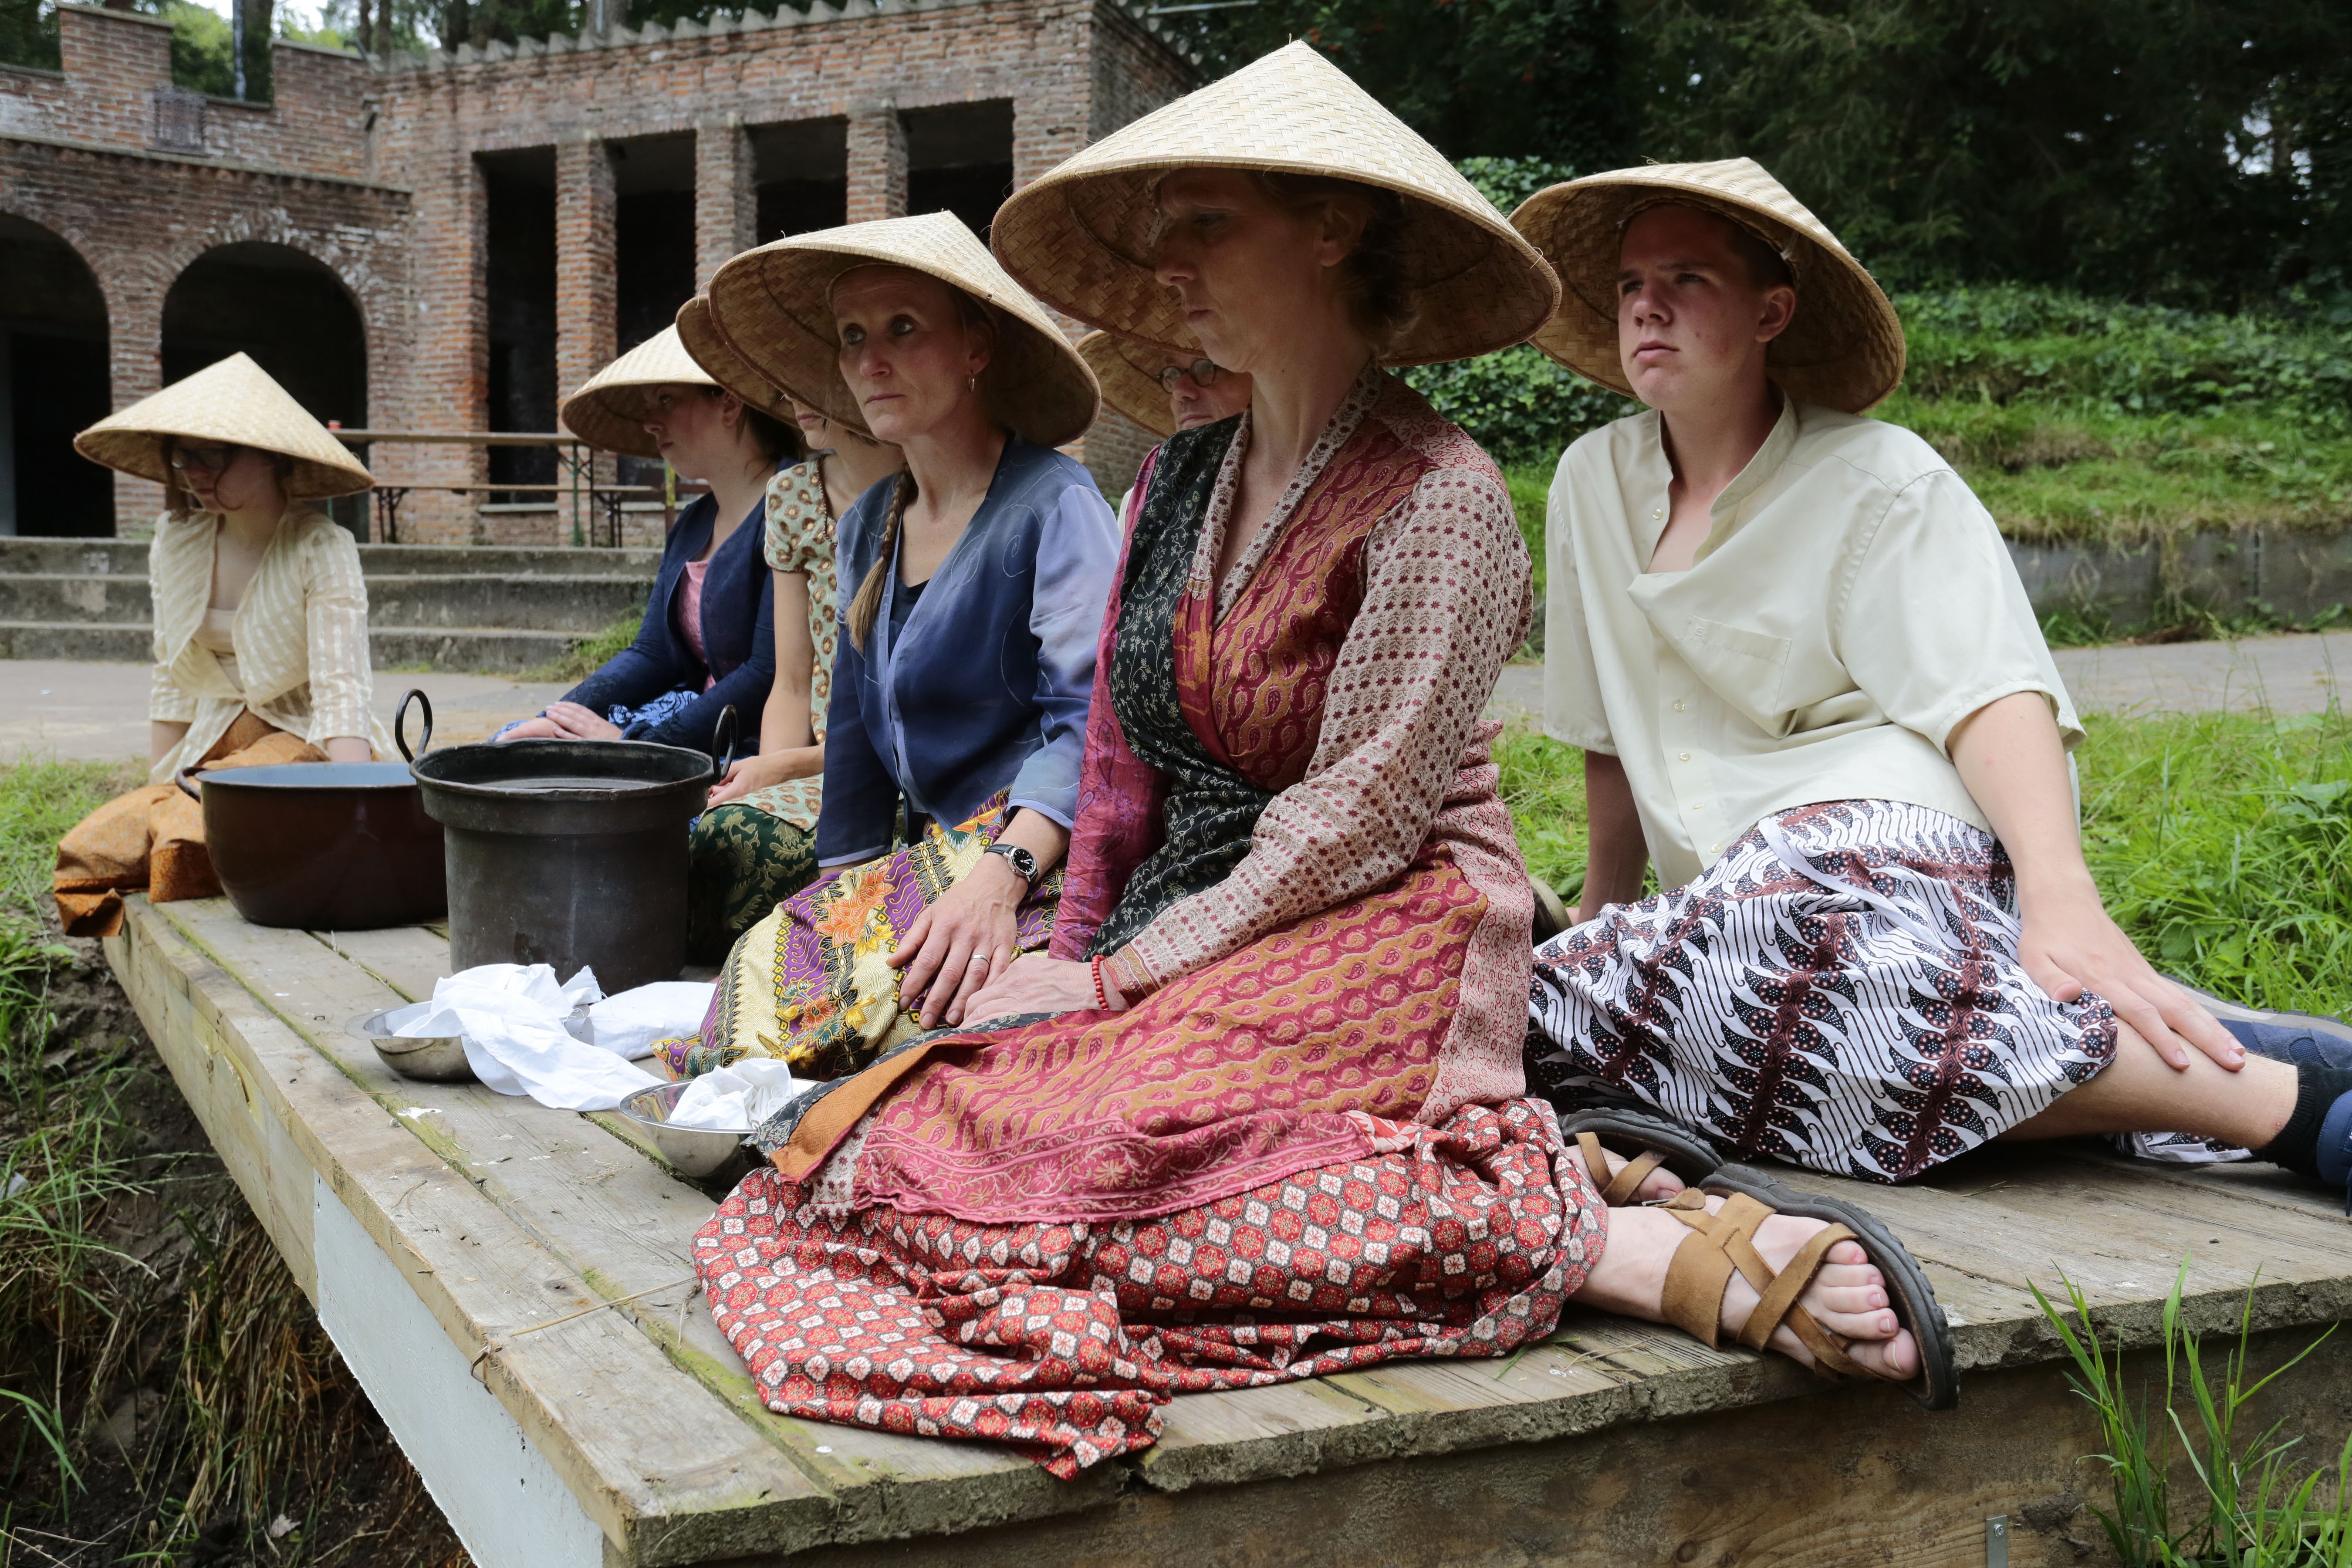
column 569, row 852
column 325, row 845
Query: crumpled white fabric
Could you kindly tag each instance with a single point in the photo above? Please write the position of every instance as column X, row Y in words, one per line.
column 736, row 1099
column 629, row 1023
column 512, row 1018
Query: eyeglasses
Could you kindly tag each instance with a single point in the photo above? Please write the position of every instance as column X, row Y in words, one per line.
column 1205, row 372
column 204, row 459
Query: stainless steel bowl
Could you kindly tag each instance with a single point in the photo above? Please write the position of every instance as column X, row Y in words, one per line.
column 439, row 1057
column 693, row 1151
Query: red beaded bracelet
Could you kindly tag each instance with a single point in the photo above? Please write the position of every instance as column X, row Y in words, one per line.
column 1102, row 993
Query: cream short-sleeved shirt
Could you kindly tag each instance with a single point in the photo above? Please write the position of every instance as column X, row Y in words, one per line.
column 1853, row 603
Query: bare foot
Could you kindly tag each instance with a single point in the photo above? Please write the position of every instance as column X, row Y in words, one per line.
column 1659, row 1183
column 1847, row 1296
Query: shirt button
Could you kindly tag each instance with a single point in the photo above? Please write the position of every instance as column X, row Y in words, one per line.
column 1715, row 849
column 1678, row 707
column 1687, row 756
column 1658, row 511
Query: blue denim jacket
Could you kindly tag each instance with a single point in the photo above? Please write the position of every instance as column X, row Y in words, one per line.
column 987, row 687
column 739, row 633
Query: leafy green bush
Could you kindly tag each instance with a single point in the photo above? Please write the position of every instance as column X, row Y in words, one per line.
column 2010, row 343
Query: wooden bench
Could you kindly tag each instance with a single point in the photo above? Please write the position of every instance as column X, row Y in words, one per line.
column 511, row 1286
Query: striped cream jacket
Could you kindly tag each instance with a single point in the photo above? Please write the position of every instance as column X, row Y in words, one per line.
column 301, row 635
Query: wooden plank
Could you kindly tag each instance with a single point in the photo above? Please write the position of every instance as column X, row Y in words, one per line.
column 254, row 1146
column 667, row 1470
column 623, row 1222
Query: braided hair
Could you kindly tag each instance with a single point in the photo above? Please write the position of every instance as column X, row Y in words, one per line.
column 867, row 605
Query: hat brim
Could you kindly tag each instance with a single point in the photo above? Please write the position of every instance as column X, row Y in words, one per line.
column 608, row 410
column 699, row 330
column 1126, row 386
column 1082, row 242
column 235, row 402
column 1081, row 237
column 773, row 306
column 1844, row 349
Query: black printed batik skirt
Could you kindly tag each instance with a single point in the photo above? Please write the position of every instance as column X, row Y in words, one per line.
column 1840, row 990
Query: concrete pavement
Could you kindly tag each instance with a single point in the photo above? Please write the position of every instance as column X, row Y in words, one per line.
column 99, row 711
column 2300, row 673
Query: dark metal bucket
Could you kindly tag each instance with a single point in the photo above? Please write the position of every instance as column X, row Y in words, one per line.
column 567, row 853
column 324, row 846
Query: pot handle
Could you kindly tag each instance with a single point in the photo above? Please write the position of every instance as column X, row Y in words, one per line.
column 190, row 789
column 724, row 755
column 400, row 724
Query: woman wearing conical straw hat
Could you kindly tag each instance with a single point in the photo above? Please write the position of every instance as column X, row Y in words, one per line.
column 1162, row 390
column 756, row 843
column 1812, row 690
column 972, row 587
column 707, row 640
column 261, row 623
column 1278, row 1076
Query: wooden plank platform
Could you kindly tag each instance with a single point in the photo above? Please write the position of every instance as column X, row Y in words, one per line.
column 511, row 1286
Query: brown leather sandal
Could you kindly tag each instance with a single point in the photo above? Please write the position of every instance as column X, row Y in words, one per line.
column 1725, row 1241
column 1656, row 1141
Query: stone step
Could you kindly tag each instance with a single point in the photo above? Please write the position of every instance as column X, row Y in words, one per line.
column 128, row 558
column 576, row 605
column 487, row 649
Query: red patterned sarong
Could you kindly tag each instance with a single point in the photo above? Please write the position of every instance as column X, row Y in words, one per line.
column 1064, row 1338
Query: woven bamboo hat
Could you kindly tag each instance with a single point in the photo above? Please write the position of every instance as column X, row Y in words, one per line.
column 232, row 400
column 1844, row 347
column 608, row 411
column 1130, row 373
column 717, row 356
column 1081, row 237
column 774, row 306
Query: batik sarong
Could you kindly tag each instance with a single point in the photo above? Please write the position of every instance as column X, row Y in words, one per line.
column 1840, row 990
column 810, row 984
column 1306, row 1146
column 743, row 858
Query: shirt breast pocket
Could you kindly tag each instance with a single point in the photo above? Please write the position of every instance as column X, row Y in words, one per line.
column 1746, row 668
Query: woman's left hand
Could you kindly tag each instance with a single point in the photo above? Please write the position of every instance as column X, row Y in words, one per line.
column 1034, row 983
column 954, row 946
column 2071, row 945
column 579, row 723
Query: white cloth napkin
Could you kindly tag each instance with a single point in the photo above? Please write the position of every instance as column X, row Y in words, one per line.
column 629, row 1023
column 512, row 1018
column 736, row 1099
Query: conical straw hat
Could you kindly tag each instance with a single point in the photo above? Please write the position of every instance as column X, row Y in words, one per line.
column 608, row 411
column 1127, row 370
column 1844, row 347
column 232, row 400
column 730, row 370
column 774, row 306
column 1081, row 237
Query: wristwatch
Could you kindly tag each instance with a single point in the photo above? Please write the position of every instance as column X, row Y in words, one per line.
column 1020, row 859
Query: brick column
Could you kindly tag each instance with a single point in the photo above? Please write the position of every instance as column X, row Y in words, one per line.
column 134, row 341
column 586, row 320
column 726, row 207
column 876, row 162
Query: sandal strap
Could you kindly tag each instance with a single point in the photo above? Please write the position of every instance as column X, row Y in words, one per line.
column 1619, row 1190
column 1724, row 1243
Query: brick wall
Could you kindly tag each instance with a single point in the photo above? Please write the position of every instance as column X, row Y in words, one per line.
column 394, row 199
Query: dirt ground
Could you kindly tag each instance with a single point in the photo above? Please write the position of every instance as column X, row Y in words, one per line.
column 201, row 1372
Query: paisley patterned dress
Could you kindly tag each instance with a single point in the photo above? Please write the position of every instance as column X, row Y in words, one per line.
column 1306, row 1146
column 748, row 854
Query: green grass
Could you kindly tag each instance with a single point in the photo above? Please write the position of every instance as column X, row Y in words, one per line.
column 2221, row 842
column 2258, row 1502
column 134, row 1280
column 589, row 654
